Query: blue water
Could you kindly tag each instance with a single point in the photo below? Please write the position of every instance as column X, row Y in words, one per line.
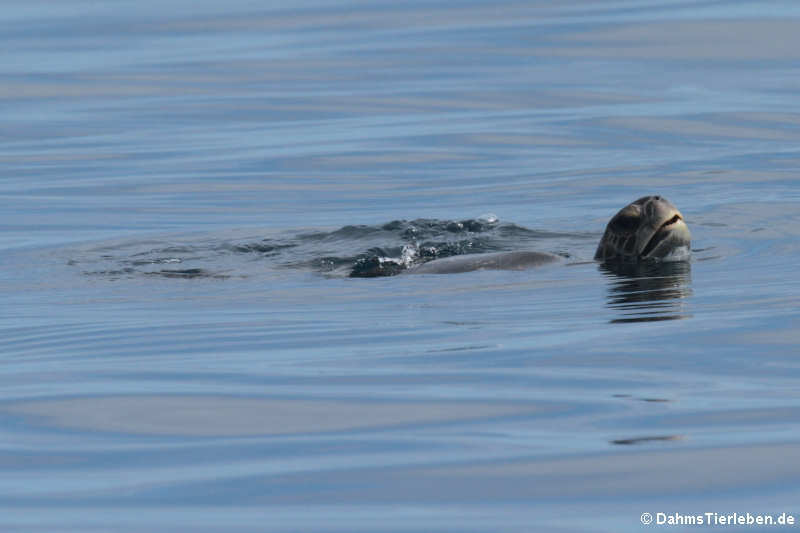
column 182, row 185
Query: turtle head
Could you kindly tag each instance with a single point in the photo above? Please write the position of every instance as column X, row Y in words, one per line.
column 649, row 228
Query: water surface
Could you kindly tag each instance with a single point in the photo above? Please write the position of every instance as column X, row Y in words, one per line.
column 185, row 186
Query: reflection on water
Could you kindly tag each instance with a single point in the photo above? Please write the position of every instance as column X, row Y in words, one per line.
column 648, row 292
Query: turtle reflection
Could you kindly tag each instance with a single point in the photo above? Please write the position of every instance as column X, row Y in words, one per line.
column 648, row 292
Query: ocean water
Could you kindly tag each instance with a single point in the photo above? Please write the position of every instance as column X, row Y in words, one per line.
column 185, row 187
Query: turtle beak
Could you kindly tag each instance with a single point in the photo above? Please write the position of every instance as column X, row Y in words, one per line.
column 671, row 234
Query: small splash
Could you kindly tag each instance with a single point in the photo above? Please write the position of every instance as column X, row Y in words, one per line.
column 375, row 267
column 421, row 240
column 409, row 255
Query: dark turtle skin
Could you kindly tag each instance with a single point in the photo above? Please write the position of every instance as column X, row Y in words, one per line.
column 490, row 261
column 650, row 228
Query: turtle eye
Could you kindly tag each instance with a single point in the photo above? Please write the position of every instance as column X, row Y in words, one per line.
column 626, row 223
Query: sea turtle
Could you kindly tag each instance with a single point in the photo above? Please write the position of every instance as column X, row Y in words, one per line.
column 648, row 229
